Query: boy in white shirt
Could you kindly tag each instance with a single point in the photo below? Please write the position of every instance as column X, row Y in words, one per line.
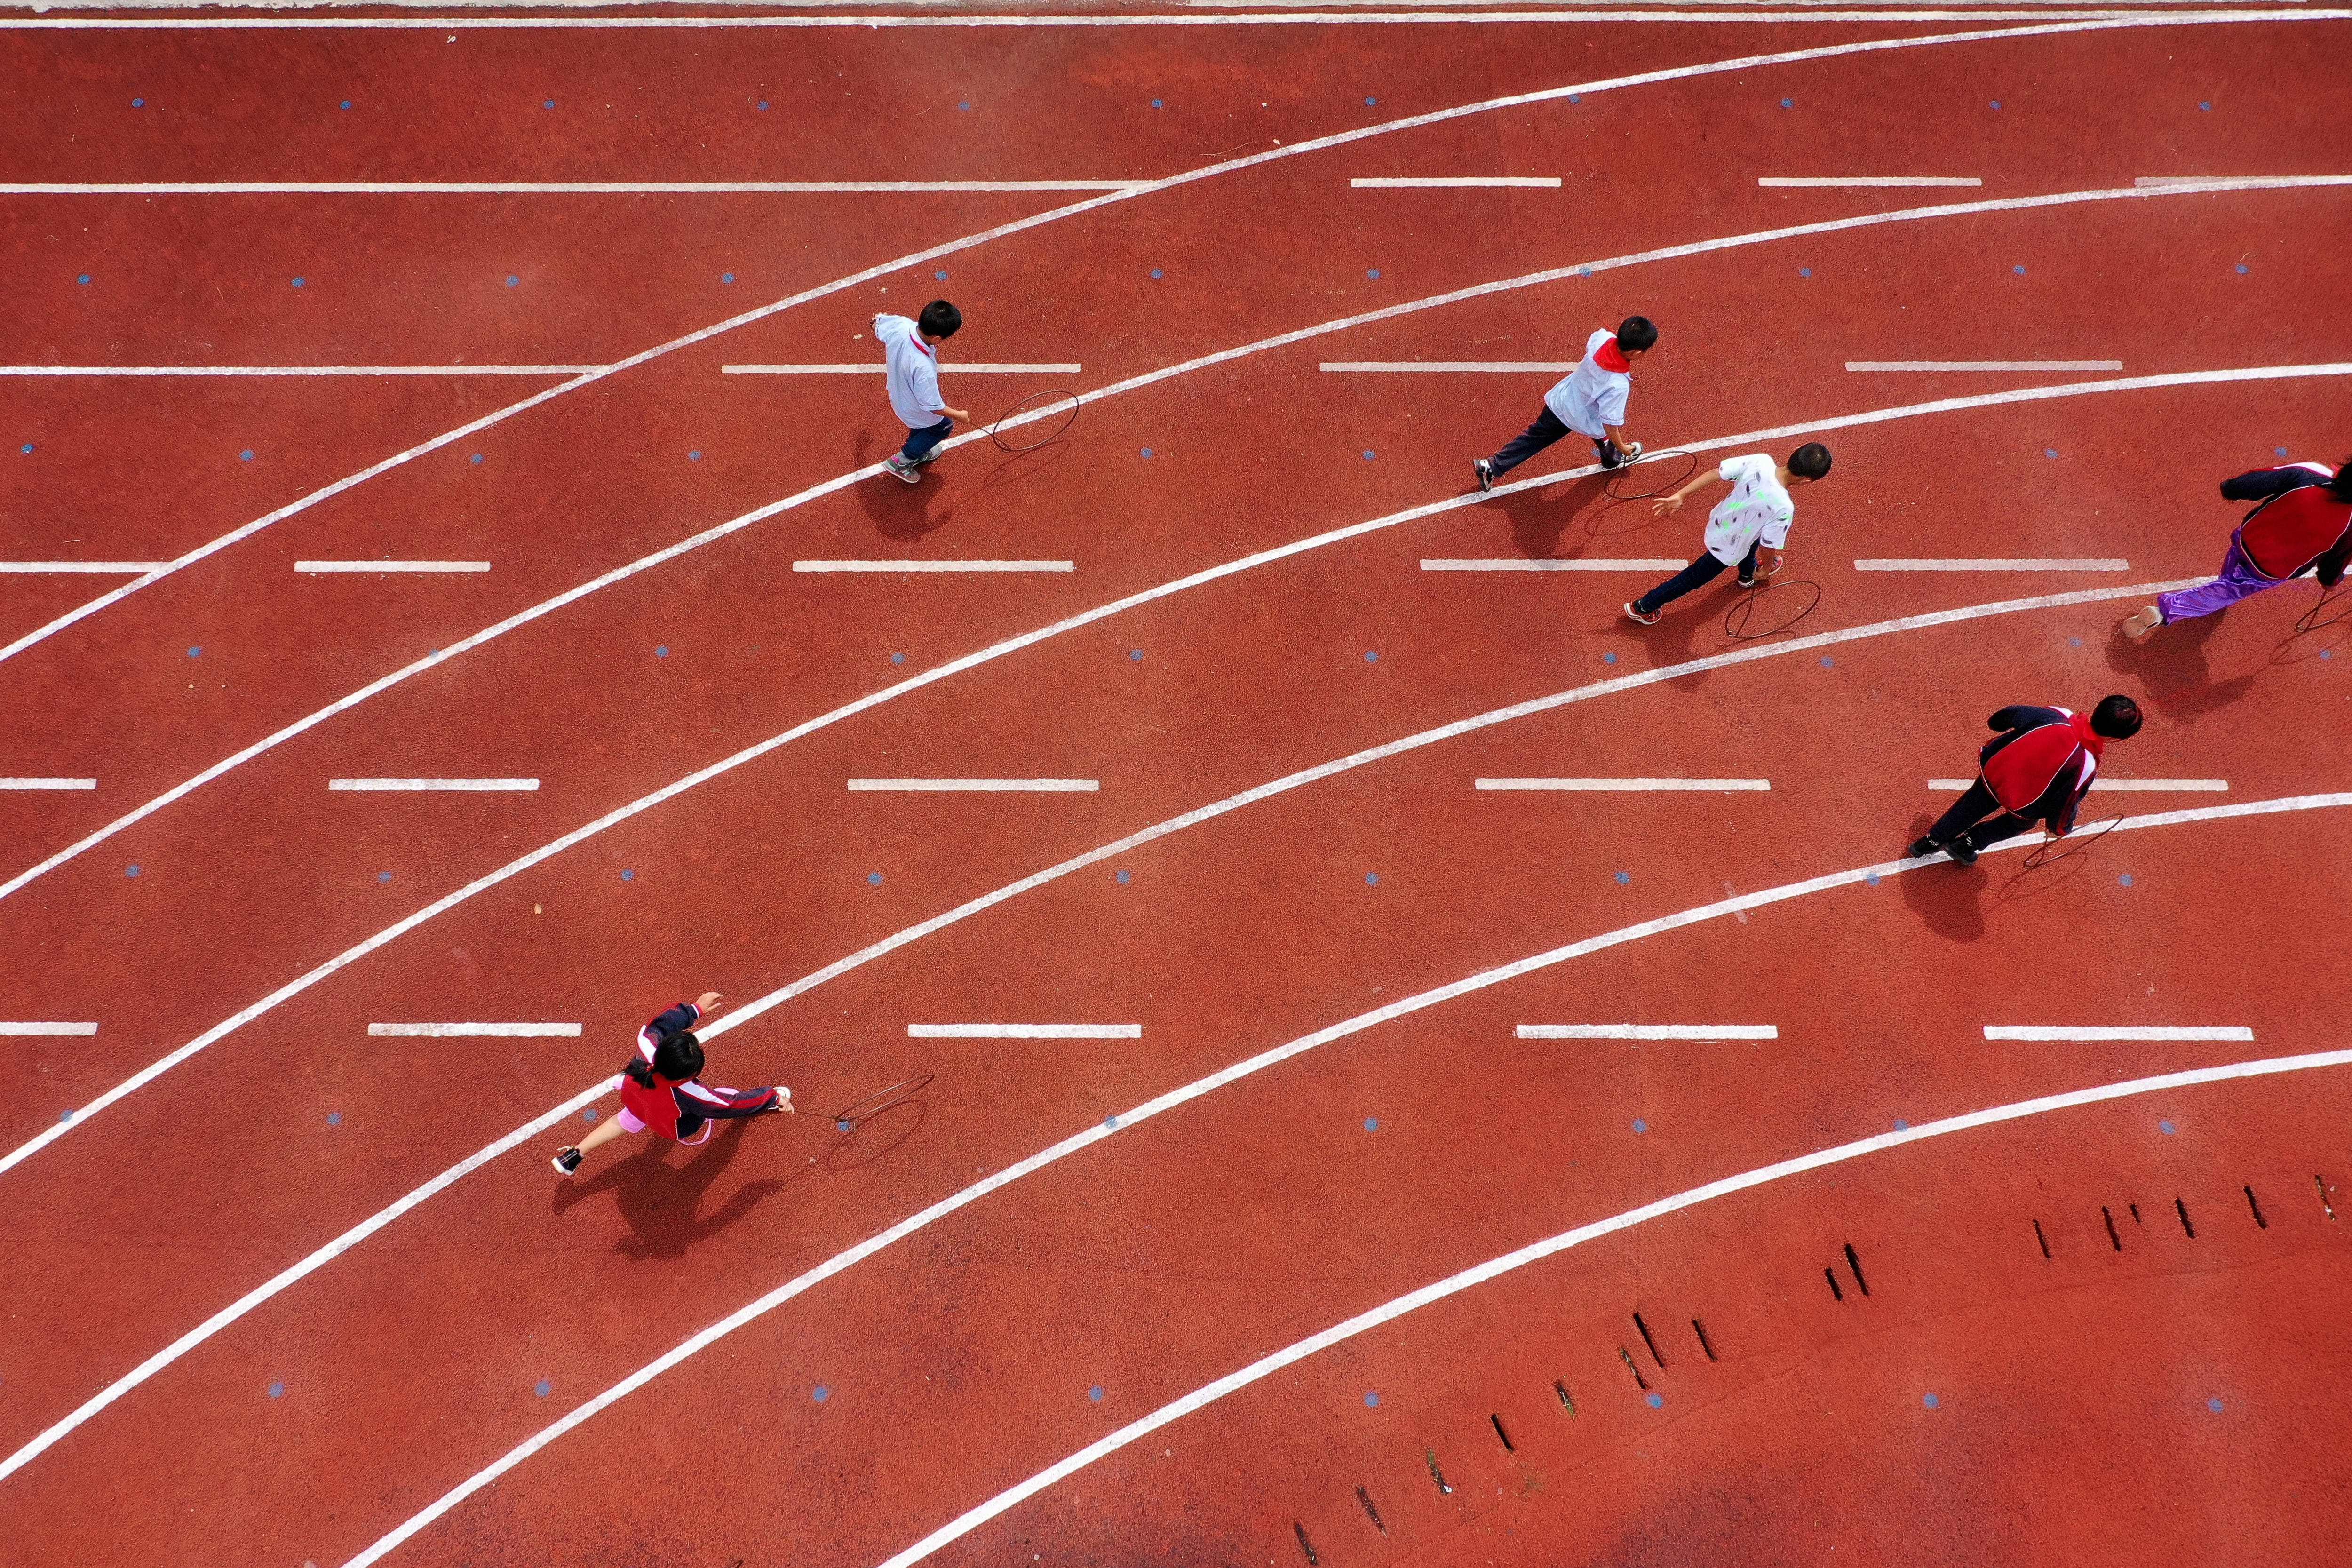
column 912, row 369
column 1754, row 515
column 1589, row 401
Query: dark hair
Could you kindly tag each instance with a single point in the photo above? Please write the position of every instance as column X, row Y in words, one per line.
column 1810, row 461
column 1634, row 333
column 2340, row 487
column 2117, row 718
column 938, row 320
column 676, row 1058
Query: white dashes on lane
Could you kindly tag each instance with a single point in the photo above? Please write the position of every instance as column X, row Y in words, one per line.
column 2021, row 365
column 1845, row 182
column 2115, row 1032
column 1447, row 182
column 1648, row 1032
column 1024, row 1031
column 504, row 1031
column 314, row 567
column 1620, row 784
column 1050, row 786
column 2107, row 782
column 1522, row 564
column 2001, row 563
column 478, row 784
column 958, row 367
column 48, row 1028
column 934, row 566
column 49, row 783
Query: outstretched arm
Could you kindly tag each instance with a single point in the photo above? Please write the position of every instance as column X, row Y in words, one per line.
column 1667, row 506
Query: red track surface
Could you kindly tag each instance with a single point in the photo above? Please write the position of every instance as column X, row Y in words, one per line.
column 2071, row 1422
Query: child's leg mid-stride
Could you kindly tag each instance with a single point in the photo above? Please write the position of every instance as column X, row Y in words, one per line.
column 920, row 448
column 1697, row 574
column 567, row 1159
column 2239, row 579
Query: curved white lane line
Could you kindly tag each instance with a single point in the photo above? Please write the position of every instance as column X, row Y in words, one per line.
column 917, row 257
column 304, row 982
column 1224, row 357
column 1194, row 1090
column 1171, row 19
column 1785, row 56
column 368, row 1227
column 1537, row 1251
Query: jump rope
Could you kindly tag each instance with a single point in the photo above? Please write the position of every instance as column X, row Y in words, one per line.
column 1740, row 624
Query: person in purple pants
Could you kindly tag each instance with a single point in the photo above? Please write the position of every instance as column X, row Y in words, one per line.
column 2304, row 524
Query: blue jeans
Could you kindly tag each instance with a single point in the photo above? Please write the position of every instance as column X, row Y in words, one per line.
column 1697, row 574
column 920, row 442
column 1548, row 428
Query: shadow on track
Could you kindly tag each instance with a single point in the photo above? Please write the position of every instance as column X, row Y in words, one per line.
column 1947, row 899
column 660, row 1201
column 908, row 513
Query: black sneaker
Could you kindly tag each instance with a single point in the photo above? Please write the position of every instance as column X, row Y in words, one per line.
column 1923, row 846
column 566, row 1161
column 1484, row 469
column 1962, row 850
column 1606, row 455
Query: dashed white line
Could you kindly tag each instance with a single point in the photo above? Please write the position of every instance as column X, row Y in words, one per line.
column 509, row 1031
column 1717, row 784
column 156, row 370
column 2226, row 181
column 994, row 785
column 49, row 783
column 83, row 565
column 432, row 783
column 316, row 566
column 1550, row 1246
column 1841, row 182
column 1466, row 367
column 559, row 188
column 1530, row 182
column 957, row 368
column 934, row 566
column 1648, row 1032
column 2109, row 782
column 2094, row 564
column 1024, row 1031
column 2123, row 1032
column 2021, row 365
column 48, row 1028
column 1514, row 564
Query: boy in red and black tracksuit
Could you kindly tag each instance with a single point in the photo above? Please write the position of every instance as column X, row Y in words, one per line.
column 662, row 1089
column 2304, row 524
column 2038, row 767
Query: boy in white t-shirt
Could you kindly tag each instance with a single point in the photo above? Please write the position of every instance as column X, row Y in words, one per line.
column 1756, row 515
column 1590, row 401
column 912, row 366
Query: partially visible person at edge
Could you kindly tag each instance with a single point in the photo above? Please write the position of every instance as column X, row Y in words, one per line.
column 2038, row 768
column 2304, row 524
column 661, row 1088
column 911, row 367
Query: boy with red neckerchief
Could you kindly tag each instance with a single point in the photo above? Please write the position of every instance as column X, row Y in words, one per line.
column 1590, row 401
column 2040, row 767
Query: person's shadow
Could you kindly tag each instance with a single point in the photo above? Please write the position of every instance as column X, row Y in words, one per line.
column 660, row 1201
column 2171, row 667
column 908, row 512
column 1948, row 898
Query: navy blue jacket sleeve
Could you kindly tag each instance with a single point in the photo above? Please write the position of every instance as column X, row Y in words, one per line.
column 682, row 1016
column 2262, row 483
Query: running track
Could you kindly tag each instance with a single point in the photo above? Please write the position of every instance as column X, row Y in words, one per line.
column 962, row 1360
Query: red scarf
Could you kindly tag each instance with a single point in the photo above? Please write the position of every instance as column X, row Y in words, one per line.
column 1608, row 356
column 2092, row 742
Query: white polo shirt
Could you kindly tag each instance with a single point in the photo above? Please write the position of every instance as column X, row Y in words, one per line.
column 913, row 371
column 1590, row 397
column 1757, row 509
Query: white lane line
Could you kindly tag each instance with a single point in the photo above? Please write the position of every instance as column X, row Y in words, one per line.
column 1623, row 783
column 1018, row 226
column 48, row 1028
column 1999, row 364
column 1024, row 1031
column 559, row 188
column 567, row 1031
column 910, row 934
column 1841, row 182
column 2107, row 782
column 432, row 783
column 958, row 367
column 1965, row 10
column 1110, row 1125
column 315, row 566
column 153, row 370
column 934, row 566
column 1538, row 181
column 1648, row 1032
column 2094, row 564
column 1517, row 564
column 49, row 783
column 1535, row 1252
column 2126, row 1032
column 1450, row 367
column 82, row 565
column 2177, row 182
column 842, row 481
column 998, row 785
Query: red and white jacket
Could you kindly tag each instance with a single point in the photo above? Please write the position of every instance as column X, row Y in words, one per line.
column 2299, row 527
column 2042, row 765
column 683, row 1109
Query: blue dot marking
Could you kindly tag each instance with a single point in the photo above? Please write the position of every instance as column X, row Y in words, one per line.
column 726, row 278
column 1584, row 273
column 2214, row 1406
column 820, row 1394
column 2207, row 107
column 1576, row 98
column 477, row 458
column 549, row 103
column 1372, row 656
column 1371, row 878
column 131, row 870
column 334, row 1119
column 2073, row 642
column 245, row 456
column 1121, row 877
column 763, row 104
column 1788, row 103
column 1624, row 878
column 1901, row 1125
column 694, row 456
column 1996, row 103
column 2019, row 270
column 542, row 1388
column 2165, row 1128
column 940, row 276
column 513, row 279
column 1930, row 1401
column 384, row 875
column 662, row 652
column 1367, row 454
column 277, row 1391
column 298, row 282
column 2242, row 268
column 1136, row 654
column 1607, row 658
column 1371, row 1397
column 1157, row 104
column 1657, row 1401
column 1155, row 272
column 83, row 278
column 1371, row 101
column 27, row 449
column 898, row 659
column 1373, row 272
column 1804, row 272
column 346, row 103
column 1147, row 451
column 628, row 876
column 2280, row 450
column 965, row 104
column 1828, row 663
column 2125, row 879
column 1111, row 1122
column 193, row 652
column 2049, row 451
column 1095, row 1394
column 65, row 1116
column 1640, row 1125
column 874, row 878
column 1870, row 877
column 845, row 1126
column 1371, row 1124
column 138, row 103
column 589, row 1114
